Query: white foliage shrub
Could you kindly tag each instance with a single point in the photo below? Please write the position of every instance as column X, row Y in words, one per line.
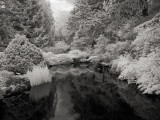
column 63, row 58
column 147, row 41
column 78, row 54
column 119, row 64
column 149, row 82
column 145, row 71
column 39, row 75
column 129, row 72
column 57, row 59
column 47, row 55
column 94, row 59
column 148, row 73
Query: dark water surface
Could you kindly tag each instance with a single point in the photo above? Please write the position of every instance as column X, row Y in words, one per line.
column 81, row 93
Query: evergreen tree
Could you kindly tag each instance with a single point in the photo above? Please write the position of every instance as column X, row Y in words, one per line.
column 32, row 18
column 6, row 30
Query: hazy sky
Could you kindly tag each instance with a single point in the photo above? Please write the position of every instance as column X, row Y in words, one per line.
column 61, row 5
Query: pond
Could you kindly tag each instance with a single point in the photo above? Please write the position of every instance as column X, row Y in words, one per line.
column 81, row 93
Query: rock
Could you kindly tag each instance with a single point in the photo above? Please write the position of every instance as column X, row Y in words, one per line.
column 13, row 85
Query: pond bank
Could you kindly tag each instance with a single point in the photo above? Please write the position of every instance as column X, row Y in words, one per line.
column 37, row 102
column 12, row 85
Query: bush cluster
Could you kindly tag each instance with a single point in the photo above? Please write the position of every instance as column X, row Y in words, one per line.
column 21, row 55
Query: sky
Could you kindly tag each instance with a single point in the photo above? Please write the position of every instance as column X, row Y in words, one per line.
column 61, row 11
column 61, row 5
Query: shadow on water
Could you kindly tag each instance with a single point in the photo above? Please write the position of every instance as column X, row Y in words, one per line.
column 81, row 93
column 94, row 96
column 36, row 104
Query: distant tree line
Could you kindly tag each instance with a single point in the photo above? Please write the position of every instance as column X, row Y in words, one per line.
column 32, row 18
column 91, row 18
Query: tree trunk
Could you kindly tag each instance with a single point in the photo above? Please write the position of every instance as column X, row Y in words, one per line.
column 144, row 5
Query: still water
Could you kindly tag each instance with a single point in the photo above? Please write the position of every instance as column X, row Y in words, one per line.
column 81, row 93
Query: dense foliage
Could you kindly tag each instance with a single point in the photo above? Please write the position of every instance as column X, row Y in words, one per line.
column 118, row 33
column 21, row 55
column 124, row 33
column 91, row 18
column 32, row 18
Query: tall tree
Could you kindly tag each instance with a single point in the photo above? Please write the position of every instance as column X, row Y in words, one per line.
column 87, row 20
column 6, row 30
column 32, row 18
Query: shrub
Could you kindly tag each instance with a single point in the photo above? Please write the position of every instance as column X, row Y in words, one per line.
column 125, row 66
column 21, row 55
column 102, row 42
column 149, row 82
column 57, row 59
column 47, row 55
column 145, row 71
column 39, row 75
column 128, row 72
column 107, row 57
column 50, row 58
column 94, row 59
column 148, row 73
column 119, row 64
column 78, row 54
column 147, row 41
column 64, row 59
column 79, row 43
column 108, row 51
column 60, row 47
column 118, row 48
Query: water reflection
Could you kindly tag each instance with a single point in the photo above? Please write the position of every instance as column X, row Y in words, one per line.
column 87, row 98
column 40, row 91
column 81, row 94
column 82, row 99
column 64, row 103
column 101, row 104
